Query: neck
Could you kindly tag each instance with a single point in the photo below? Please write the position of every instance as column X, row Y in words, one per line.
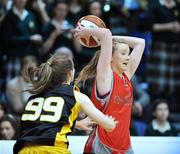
column 161, row 123
column 67, row 82
column 168, row 1
column 117, row 71
column 58, row 19
column 20, row 9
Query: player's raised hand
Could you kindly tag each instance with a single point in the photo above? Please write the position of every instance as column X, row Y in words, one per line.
column 81, row 31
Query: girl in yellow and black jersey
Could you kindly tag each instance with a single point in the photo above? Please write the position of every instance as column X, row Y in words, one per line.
column 50, row 114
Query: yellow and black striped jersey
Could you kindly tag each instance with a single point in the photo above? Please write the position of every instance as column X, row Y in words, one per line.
column 49, row 117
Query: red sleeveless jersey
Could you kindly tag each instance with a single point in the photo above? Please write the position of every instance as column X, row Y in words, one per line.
column 119, row 106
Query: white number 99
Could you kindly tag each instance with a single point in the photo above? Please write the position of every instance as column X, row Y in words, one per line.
column 51, row 105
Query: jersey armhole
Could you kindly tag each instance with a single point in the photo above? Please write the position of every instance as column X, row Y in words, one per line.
column 104, row 98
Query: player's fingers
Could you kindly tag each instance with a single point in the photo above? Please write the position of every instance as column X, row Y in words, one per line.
column 87, row 129
column 92, row 122
column 79, row 25
column 76, row 30
column 116, row 122
column 76, row 34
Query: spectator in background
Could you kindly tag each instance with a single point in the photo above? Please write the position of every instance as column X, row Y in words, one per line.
column 95, row 7
column 91, row 7
column 19, row 37
column 16, row 93
column 141, row 98
column 160, row 126
column 3, row 9
column 164, row 60
column 9, row 127
column 58, row 32
column 140, row 108
column 75, row 10
column 5, row 5
column 38, row 7
column 64, row 50
column 3, row 110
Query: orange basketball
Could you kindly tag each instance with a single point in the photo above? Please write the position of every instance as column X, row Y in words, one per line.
column 91, row 21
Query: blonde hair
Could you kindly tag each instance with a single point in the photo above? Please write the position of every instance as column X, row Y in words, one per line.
column 89, row 71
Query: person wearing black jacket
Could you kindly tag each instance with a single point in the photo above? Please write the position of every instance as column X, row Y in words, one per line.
column 160, row 126
column 19, row 37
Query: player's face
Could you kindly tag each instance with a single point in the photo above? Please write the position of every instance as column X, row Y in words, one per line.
column 61, row 10
column 95, row 9
column 162, row 112
column 20, row 3
column 7, row 131
column 120, row 57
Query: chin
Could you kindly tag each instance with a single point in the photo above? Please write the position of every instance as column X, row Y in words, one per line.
column 124, row 69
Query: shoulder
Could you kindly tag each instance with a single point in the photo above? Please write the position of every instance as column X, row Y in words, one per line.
column 48, row 27
column 67, row 24
column 172, row 126
column 78, row 95
column 66, row 90
column 9, row 15
column 149, row 129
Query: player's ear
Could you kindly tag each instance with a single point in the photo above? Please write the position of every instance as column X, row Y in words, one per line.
column 70, row 75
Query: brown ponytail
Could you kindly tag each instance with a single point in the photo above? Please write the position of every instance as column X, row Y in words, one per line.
column 89, row 71
column 51, row 73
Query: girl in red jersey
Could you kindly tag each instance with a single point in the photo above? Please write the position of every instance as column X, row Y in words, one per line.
column 113, row 67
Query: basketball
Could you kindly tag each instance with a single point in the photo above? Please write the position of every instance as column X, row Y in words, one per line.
column 91, row 21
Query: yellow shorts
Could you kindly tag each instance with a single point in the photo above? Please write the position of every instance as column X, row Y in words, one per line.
column 41, row 149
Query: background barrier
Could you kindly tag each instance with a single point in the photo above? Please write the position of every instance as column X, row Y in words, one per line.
column 141, row 145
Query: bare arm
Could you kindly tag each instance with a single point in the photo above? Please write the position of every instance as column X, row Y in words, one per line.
column 50, row 41
column 87, row 106
column 137, row 44
column 39, row 6
column 162, row 27
column 104, row 72
column 170, row 26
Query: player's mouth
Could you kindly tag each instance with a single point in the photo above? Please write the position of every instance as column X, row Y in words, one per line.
column 125, row 63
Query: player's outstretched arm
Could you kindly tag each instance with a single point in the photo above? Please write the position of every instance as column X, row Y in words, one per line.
column 107, row 122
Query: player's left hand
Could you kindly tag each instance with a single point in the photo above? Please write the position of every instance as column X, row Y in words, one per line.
column 85, row 124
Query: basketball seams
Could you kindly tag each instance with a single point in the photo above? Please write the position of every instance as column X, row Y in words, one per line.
column 91, row 21
column 96, row 20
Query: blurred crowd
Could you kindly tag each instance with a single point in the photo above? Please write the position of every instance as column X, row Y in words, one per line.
column 32, row 30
